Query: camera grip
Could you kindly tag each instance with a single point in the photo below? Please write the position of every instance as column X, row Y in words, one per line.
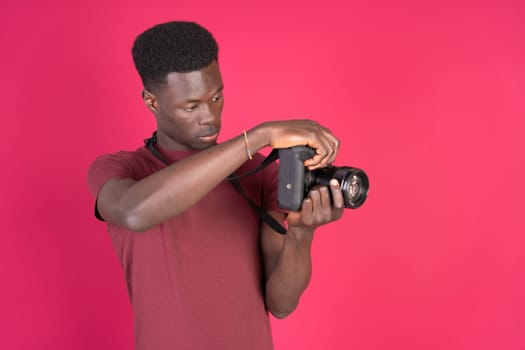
column 291, row 176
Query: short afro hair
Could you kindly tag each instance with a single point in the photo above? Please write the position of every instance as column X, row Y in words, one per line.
column 172, row 47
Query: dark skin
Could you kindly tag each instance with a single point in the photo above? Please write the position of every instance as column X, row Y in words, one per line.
column 188, row 111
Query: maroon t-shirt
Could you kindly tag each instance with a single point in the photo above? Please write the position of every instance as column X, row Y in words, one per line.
column 195, row 281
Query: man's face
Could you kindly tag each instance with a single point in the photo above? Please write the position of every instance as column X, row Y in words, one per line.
column 188, row 108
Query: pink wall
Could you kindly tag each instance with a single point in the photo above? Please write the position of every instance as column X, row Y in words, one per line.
column 428, row 99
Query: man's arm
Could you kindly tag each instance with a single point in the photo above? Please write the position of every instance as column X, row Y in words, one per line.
column 287, row 258
column 140, row 205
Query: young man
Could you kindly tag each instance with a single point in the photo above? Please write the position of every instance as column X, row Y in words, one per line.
column 202, row 271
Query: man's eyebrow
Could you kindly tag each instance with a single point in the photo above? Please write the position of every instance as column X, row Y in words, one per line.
column 219, row 89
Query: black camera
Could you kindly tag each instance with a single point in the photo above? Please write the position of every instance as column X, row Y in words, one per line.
column 295, row 180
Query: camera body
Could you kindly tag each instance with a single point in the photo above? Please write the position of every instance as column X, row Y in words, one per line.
column 295, row 181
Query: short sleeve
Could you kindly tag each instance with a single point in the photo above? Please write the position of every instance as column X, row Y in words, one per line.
column 108, row 167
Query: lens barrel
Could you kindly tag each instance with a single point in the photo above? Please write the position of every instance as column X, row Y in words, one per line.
column 353, row 181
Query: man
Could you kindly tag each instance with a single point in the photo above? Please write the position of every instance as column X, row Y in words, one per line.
column 202, row 271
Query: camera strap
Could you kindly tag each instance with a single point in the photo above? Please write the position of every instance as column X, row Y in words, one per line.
column 234, row 180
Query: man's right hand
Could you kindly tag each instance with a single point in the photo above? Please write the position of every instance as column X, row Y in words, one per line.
column 289, row 133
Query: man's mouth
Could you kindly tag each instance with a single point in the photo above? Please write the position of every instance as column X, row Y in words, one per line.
column 209, row 136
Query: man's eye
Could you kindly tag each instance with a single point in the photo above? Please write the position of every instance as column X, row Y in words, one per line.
column 216, row 98
column 190, row 108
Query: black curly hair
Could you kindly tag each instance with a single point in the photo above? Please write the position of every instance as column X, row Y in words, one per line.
column 176, row 46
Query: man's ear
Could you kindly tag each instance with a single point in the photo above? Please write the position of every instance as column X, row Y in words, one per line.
column 150, row 101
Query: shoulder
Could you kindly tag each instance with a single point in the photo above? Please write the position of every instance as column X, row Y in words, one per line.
column 128, row 159
column 122, row 164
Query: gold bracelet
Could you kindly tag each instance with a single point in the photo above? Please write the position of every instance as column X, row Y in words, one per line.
column 247, row 145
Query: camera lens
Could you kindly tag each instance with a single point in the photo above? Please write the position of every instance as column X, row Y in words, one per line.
column 353, row 181
column 355, row 187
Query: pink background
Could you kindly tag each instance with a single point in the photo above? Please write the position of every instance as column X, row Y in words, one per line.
column 427, row 97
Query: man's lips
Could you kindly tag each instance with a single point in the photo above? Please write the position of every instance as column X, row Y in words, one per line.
column 209, row 137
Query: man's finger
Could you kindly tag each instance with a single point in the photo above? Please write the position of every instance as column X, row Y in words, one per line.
column 337, row 194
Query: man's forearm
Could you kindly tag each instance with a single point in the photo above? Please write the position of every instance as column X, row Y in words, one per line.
column 174, row 189
column 291, row 274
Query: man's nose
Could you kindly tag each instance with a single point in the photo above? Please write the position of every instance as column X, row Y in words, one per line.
column 208, row 114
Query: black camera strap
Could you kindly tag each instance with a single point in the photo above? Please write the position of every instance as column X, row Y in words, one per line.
column 234, row 180
column 272, row 157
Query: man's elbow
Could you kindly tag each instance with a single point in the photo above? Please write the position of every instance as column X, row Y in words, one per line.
column 135, row 223
column 130, row 219
column 280, row 315
column 281, row 311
